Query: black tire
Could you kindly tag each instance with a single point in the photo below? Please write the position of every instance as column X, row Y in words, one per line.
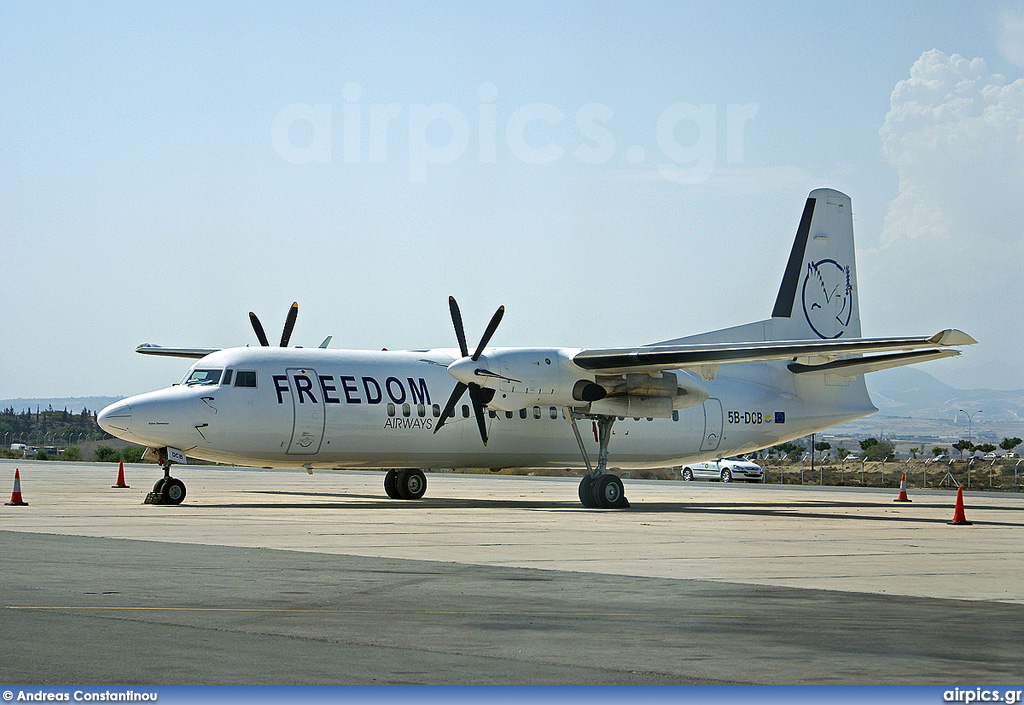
column 687, row 475
column 158, row 488
column 391, row 484
column 412, row 484
column 727, row 475
column 174, row 491
column 609, row 493
column 586, row 493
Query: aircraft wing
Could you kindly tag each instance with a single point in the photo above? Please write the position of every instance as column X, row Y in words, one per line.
column 150, row 349
column 654, row 358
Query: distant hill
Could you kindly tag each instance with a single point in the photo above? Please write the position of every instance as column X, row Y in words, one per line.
column 73, row 404
column 905, row 391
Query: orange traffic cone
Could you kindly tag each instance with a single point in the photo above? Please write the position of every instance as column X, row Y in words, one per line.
column 903, row 490
column 120, row 476
column 16, row 500
column 958, row 513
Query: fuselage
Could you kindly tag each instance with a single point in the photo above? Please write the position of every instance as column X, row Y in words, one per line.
column 320, row 408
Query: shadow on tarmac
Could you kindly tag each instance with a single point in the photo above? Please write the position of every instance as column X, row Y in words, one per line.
column 803, row 509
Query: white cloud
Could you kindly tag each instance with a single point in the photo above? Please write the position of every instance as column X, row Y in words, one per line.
column 951, row 246
column 1011, row 37
column 955, row 135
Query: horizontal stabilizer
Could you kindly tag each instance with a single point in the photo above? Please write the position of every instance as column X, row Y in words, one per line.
column 851, row 367
column 150, row 349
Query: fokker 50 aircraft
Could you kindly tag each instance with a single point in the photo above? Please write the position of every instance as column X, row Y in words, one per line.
column 702, row 397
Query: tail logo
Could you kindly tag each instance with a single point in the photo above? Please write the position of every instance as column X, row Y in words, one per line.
column 827, row 298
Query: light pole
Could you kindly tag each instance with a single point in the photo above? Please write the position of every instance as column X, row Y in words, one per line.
column 970, row 418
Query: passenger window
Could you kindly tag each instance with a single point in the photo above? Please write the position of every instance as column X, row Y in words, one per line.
column 465, row 412
column 245, row 378
column 536, row 412
column 436, row 411
column 492, row 414
column 522, row 413
column 391, row 409
column 406, row 410
column 227, row 378
column 554, row 413
column 421, row 410
column 508, row 414
column 675, row 414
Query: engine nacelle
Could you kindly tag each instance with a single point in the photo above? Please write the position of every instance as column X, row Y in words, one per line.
column 649, row 395
column 538, row 377
column 525, row 377
column 635, row 406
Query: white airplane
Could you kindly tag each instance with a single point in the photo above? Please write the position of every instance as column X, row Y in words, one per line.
column 701, row 397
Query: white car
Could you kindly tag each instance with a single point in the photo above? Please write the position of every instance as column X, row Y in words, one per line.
column 724, row 469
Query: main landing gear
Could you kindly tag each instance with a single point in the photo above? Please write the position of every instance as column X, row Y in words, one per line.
column 167, row 490
column 599, row 489
column 405, row 484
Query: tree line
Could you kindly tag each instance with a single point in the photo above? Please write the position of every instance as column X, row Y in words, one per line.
column 875, row 450
column 49, row 427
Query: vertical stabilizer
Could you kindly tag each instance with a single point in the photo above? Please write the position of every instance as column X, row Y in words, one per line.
column 818, row 296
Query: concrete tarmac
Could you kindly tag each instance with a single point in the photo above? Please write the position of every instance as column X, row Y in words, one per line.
column 279, row 577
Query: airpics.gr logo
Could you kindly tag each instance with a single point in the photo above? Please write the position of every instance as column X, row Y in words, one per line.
column 828, row 298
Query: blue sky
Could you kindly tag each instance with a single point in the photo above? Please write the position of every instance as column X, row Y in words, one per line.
column 155, row 185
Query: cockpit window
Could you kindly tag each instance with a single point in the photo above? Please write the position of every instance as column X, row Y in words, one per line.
column 204, row 377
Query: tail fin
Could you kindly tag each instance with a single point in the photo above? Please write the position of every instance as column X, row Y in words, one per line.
column 818, row 296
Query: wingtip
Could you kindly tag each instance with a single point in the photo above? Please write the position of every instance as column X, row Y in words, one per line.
column 952, row 336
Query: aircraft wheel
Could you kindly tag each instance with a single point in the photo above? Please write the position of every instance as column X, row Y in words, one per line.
column 412, row 484
column 586, row 491
column 391, row 484
column 158, row 488
column 687, row 475
column 609, row 493
column 727, row 475
column 174, row 491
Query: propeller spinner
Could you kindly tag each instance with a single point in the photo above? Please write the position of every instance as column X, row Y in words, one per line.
column 286, row 334
column 459, row 369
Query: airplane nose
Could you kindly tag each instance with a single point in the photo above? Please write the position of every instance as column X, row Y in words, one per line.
column 116, row 417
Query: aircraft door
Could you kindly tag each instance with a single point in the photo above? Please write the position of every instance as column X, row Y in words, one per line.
column 308, row 406
column 712, row 424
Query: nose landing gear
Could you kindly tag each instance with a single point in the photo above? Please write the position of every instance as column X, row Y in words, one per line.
column 167, row 490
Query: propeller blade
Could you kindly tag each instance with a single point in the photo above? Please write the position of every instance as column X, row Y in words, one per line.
column 478, row 409
column 289, row 324
column 460, row 332
column 258, row 327
column 495, row 320
column 449, row 408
